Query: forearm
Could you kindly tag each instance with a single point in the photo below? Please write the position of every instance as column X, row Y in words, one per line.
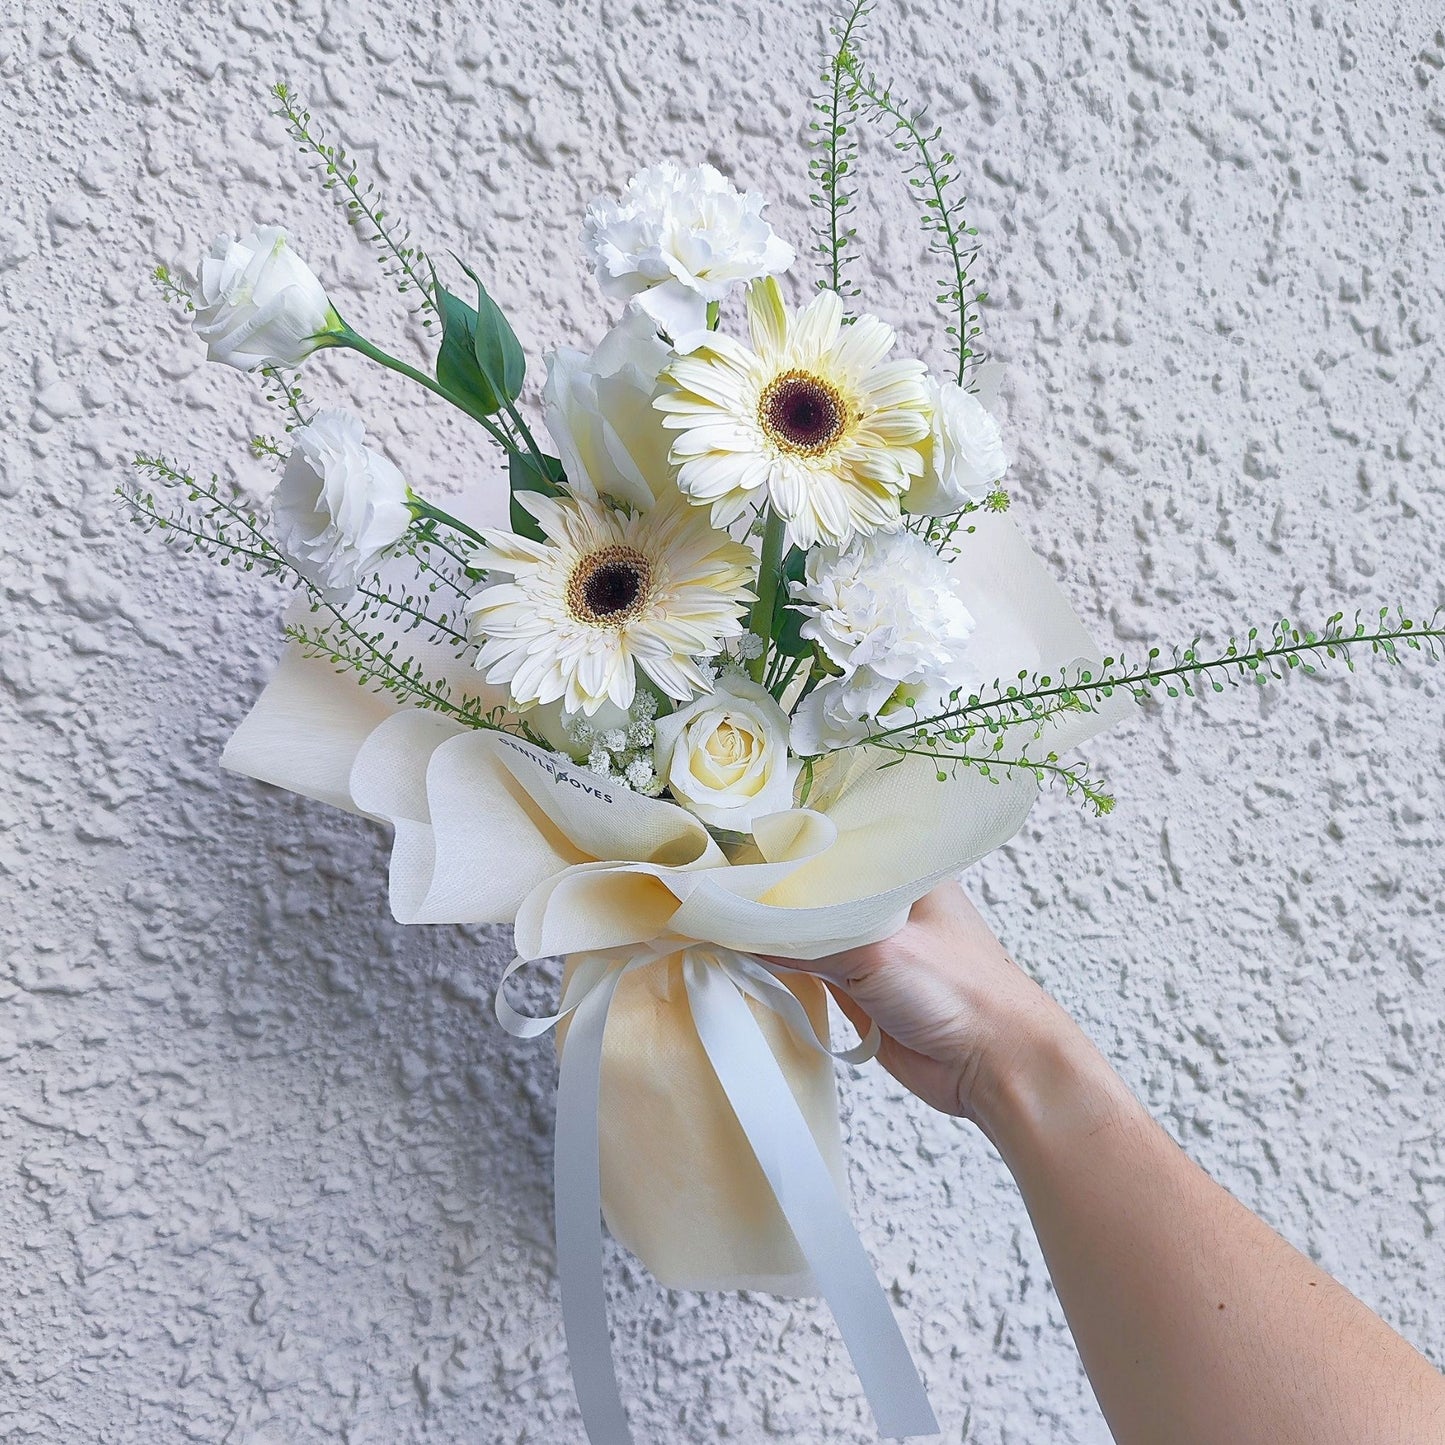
column 1196, row 1322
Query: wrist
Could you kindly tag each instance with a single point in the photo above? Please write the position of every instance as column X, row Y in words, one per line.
column 1049, row 1077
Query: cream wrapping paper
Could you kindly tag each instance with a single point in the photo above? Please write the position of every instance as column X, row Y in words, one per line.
column 490, row 829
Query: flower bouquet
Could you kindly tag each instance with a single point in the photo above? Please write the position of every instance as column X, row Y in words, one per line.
column 759, row 660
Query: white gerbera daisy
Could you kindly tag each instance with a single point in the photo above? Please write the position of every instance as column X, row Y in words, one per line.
column 813, row 419
column 607, row 593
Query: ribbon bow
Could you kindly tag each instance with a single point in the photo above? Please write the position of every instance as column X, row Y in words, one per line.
column 719, row 983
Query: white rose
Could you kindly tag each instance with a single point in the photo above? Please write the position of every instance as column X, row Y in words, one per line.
column 339, row 504
column 258, row 303
column 725, row 756
column 600, row 414
column 963, row 460
column 678, row 239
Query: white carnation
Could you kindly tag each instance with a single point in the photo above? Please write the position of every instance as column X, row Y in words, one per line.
column 963, row 458
column 339, row 504
column 258, row 303
column 599, row 411
column 678, row 239
column 886, row 613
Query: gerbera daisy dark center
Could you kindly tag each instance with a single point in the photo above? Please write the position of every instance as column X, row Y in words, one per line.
column 608, row 587
column 802, row 413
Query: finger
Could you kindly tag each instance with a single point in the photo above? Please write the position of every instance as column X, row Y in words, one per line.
column 853, row 1011
column 904, row 1064
column 836, row 967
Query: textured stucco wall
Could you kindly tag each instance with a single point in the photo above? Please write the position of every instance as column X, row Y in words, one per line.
column 269, row 1172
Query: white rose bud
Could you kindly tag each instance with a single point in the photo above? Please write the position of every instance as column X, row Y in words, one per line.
column 599, row 411
column 339, row 504
column 678, row 239
column 725, row 755
column 259, row 304
column 964, row 458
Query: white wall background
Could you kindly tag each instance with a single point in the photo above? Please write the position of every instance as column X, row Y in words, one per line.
column 269, row 1172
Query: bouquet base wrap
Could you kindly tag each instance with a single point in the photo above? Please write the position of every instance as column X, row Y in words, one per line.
column 680, row 1187
column 696, row 1103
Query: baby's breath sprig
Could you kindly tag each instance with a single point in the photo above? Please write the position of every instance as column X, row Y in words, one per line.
column 835, row 151
column 402, row 259
column 930, row 175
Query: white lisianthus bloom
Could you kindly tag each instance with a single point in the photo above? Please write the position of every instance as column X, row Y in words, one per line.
column 841, row 712
column 339, row 505
column 725, row 757
column 963, row 458
column 258, row 303
column 678, row 239
column 605, row 594
column 886, row 613
column 599, row 412
column 815, row 419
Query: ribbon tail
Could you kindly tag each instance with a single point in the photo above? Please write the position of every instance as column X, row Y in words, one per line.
column 780, row 1137
column 578, row 1205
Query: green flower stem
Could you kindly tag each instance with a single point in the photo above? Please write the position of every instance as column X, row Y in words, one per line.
column 525, row 432
column 355, row 342
column 782, row 678
column 420, row 508
column 770, row 569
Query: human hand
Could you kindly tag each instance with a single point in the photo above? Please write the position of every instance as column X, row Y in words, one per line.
column 959, row 1017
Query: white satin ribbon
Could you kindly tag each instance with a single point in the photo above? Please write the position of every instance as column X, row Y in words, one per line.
column 718, row 983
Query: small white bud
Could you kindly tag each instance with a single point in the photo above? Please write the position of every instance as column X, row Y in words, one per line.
column 639, row 773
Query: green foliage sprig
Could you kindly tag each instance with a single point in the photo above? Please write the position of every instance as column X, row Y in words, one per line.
column 201, row 516
column 401, row 258
column 172, row 288
column 952, row 733
column 206, row 516
column 939, row 532
column 835, row 151
column 372, row 658
column 931, row 175
column 287, row 394
column 996, row 764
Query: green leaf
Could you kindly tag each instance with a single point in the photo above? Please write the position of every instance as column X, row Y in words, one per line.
column 787, row 620
column 457, row 368
column 523, row 475
column 499, row 354
column 480, row 359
